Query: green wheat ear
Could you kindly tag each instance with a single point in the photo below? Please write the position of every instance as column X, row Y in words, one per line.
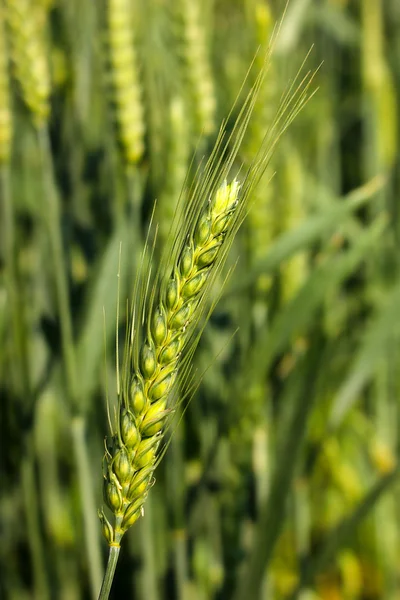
column 163, row 337
column 171, row 308
column 131, row 455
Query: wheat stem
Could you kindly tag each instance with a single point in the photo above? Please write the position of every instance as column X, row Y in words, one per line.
column 82, row 459
column 272, row 513
column 176, row 475
column 148, row 576
column 68, row 350
column 53, row 218
column 134, row 184
column 37, row 551
column 17, row 310
column 22, row 383
column 110, row 571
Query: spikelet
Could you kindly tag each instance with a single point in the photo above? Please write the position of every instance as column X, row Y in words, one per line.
column 124, row 73
column 178, row 154
column 131, row 455
column 197, row 65
column 29, row 55
column 5, row 109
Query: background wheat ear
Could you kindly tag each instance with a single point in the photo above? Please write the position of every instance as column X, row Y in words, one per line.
column 27, row 25
column 124, row 74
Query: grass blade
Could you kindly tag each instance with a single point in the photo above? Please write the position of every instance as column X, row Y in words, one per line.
column 309, row 232
column 384, row 328
column 327, row 550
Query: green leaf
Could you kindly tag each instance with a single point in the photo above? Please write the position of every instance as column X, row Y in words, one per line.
column 272, row 517
column 313, row 229
column 381, row 331
column 327, row 549
column 296, row 316
column 102, row 301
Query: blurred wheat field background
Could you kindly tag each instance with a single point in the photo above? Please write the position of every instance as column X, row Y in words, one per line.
column 281, row 480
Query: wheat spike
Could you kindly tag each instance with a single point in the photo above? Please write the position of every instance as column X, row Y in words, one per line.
column 168, row 313
column 28, row 52
column 127, row 93
column 131, row 457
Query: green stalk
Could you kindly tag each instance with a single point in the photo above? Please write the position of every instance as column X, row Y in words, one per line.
column 53, row 218
column 90, row 523
column 175, row 474
column 21, row 381
column 110, row 571
column 273, row 513
column 148, row 576
column 134, row 189
column 134, row 184
column 19, row 367
column 37, row 552
column 52, row 209
column 180, row 563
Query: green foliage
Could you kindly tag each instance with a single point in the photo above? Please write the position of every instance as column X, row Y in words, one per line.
column 280, row 477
